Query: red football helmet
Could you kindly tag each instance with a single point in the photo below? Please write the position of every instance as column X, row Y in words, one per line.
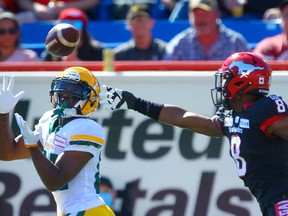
column 241, row 73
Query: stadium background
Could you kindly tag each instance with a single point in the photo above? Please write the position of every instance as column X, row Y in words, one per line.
column 169, row 171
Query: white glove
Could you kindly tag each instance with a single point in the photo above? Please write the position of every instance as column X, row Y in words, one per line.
column 7, row 99
column 30, row 137
column 114, row 98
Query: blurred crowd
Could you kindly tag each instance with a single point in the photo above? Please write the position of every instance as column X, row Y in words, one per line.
column 32, row 10
column 206, row 38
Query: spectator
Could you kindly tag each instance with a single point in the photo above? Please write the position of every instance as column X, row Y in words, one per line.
column 207, row 38
column 107, row 192
column 118, row 9
column 10, row 50
column 142, row 45
column 229, row 8
column 276, row 47
column 50, row 9
column 88, row 49
column 272, row 14
column 233, row 8
column 181, row 10
column 251, row 8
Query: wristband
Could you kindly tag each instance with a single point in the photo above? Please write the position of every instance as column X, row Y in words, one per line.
column 148, row 108
column 31, row 145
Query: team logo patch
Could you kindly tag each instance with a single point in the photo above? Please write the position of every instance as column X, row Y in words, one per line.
column 48, row 145
column 281, row 208
column 73, row 75
column 235, row 130
column 244, row 123
column 243, row 68
column 228, row 121
column 261, row 80
column 60, row 141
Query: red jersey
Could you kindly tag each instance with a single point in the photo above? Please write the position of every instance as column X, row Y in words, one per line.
column 261, row 158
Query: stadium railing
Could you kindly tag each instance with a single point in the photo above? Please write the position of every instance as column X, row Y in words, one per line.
column 127, row 66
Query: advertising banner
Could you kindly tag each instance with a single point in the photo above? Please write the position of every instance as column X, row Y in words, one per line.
column 157, row 169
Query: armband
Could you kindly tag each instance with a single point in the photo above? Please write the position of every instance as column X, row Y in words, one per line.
column 148, row 108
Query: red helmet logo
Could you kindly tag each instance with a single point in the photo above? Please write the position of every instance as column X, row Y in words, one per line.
column 243, row 68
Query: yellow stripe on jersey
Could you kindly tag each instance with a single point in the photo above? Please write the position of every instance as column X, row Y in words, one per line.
column 85, row 137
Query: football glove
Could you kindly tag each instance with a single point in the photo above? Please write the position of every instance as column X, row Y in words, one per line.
column 30, row 137
column 114, row 98
column 8, row 100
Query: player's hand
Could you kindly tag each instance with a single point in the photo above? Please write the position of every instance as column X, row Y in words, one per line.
column 30, row 137
column 114, row 98
column 8, row 100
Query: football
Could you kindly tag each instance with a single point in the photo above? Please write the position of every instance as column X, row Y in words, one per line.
column 62, row 39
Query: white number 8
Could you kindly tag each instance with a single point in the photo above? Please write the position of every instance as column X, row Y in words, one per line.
column 235, row 152
column 280, row 106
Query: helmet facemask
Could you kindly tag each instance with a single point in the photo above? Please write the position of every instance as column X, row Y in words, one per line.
column 219, row 94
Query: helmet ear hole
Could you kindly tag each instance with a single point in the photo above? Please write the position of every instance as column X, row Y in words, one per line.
column 93, row 101
column 238, row 83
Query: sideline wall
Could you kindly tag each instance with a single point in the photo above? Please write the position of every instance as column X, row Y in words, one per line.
column 169, row 170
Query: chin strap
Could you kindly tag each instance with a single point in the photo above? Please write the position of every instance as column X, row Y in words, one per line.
column 69, row 112
column 63, row 112
column 72, row 112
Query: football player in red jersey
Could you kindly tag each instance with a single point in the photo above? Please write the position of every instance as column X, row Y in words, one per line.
column 255, row 123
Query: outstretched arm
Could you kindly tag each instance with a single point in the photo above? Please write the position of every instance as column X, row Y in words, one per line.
column 10, row 148
column 174, row 115
column 166, row 113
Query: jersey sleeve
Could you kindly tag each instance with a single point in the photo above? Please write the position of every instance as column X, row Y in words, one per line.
column 270, row 110
column 87, row 137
